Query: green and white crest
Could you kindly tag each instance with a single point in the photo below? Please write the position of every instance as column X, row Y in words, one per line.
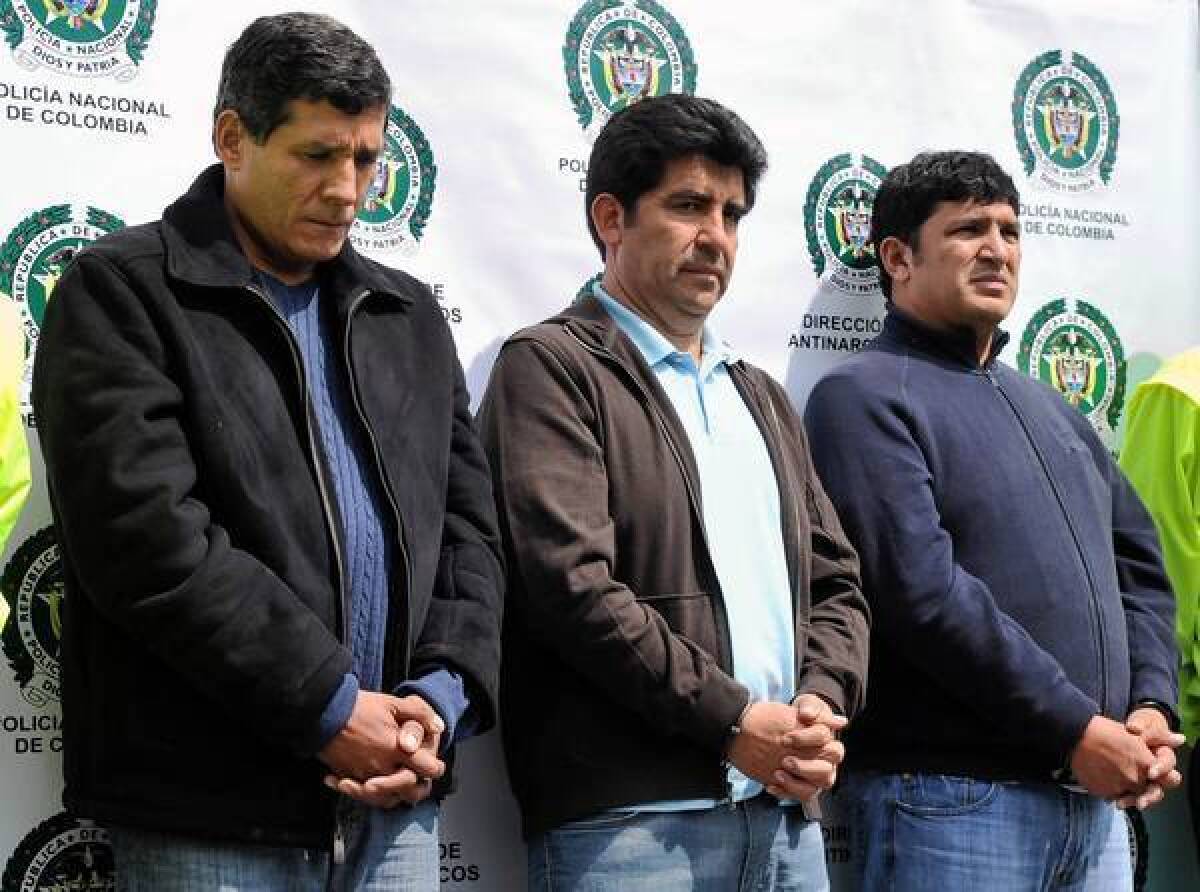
column 400, row 199
column 1075, row 349
column 62, row 853
column 619, row 51
column 33, row 258
column 32, row 585
column 81, row 38
column 1065, row 122
column 837, row 222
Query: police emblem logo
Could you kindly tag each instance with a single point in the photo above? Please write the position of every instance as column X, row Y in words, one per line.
column 82, row 38
column 1075, row 349
column 32, row 260
column 60, row 854
column 618, row 52
column 1065, row 122
column 32, row 585
column 837, row 223
column 400, row 198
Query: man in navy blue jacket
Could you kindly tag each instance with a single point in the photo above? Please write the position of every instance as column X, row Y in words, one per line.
column 1022, row 657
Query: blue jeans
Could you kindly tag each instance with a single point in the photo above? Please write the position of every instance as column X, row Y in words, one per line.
column 935, row 833
column 385, row 850
column 751, row 846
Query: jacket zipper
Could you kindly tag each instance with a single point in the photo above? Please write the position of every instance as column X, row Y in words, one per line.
column 405, row 656
column 1093, row 607
column 314, row 456
column 339, row 840
column 611, row 357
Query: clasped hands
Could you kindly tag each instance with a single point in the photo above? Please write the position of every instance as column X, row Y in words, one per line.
column 792, row 750
column 387, row 753
column 1131, row 764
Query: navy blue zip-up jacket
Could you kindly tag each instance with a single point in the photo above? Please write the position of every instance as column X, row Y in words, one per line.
column 1015, row 579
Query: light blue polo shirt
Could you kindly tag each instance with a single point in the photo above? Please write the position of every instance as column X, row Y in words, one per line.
column 741, row 515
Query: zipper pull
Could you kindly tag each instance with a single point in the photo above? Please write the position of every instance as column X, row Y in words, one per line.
column 726, row 801
column 339, row 841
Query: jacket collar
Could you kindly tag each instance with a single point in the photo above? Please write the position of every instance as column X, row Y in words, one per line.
column 588, row 319
column 202, row 249
column 591, row 324
column 957, row 345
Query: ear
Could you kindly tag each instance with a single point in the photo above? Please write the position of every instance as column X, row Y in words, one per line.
column 609, row 219
column 230, row 138
column 896, row 258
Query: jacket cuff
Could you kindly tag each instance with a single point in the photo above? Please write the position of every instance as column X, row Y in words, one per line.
column 333, row 718
column 827, row 689
column 1068, row 731
column 720, row 707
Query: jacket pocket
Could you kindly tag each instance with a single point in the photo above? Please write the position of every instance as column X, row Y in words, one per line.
column 689, row 615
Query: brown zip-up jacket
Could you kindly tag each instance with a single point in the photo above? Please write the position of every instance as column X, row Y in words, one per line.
column 617, row 685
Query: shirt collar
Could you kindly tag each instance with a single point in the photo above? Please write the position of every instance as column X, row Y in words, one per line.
column 957, row 343
column 651, row 343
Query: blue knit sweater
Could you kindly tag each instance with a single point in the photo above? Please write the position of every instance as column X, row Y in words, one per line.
column 368, row 541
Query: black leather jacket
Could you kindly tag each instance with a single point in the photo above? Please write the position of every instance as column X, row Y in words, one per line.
column 204, row 630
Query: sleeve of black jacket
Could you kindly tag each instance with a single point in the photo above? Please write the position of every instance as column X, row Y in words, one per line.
column 462, row 628
column 141, row 540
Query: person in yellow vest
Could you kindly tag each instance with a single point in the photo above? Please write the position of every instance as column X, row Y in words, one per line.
column 1161, row 456
column 14, row 453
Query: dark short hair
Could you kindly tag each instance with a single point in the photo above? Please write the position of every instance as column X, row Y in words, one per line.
column 630, row 154
column 910, row 193
column 298, row 55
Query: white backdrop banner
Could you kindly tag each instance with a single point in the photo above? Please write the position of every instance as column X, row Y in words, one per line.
column 105, row 112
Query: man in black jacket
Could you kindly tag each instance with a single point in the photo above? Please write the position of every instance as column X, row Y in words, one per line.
column 277, row 528
column 686, row 631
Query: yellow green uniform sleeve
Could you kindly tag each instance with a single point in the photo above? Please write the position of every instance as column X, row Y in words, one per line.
column 1160, row 456
column 14, row 453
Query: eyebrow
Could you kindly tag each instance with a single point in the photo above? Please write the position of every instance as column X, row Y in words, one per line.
column 692, row 194
column 971, row 217
column 696, row 195
column 317, row 144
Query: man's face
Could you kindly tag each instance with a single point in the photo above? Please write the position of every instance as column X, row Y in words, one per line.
column 293, row 198
column 673, row 257
column 965, row 269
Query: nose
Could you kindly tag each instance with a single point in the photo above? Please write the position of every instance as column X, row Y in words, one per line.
column 994, row 245
column 716, row 237
column 340, row 185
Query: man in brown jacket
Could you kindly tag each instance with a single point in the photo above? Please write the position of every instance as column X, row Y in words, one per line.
column 685, row 632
